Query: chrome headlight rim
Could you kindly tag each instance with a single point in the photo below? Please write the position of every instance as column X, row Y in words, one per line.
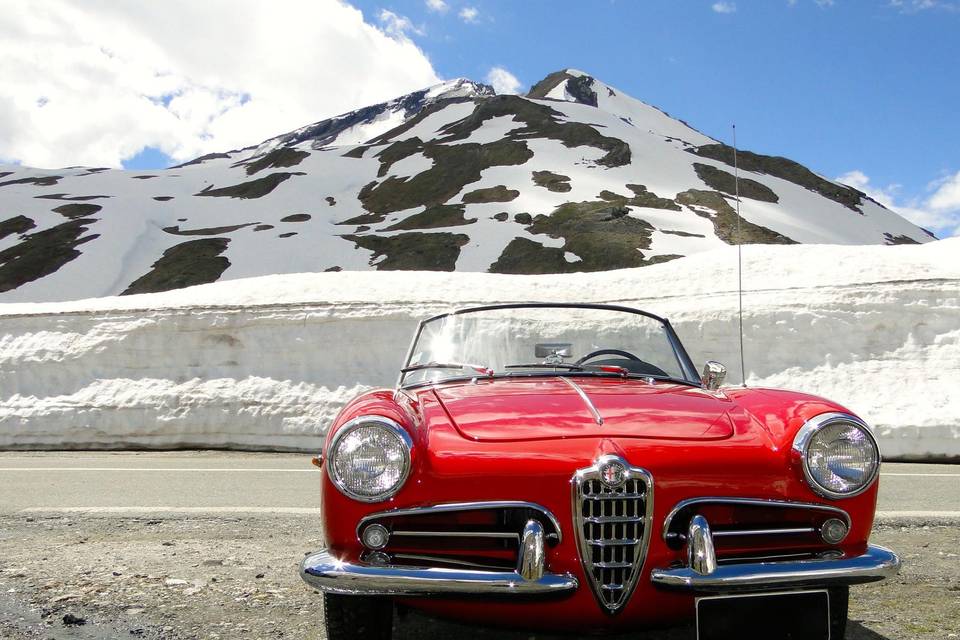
column 804, row 437
column 358, row 423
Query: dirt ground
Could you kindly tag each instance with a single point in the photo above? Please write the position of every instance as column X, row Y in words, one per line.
column 97, row 578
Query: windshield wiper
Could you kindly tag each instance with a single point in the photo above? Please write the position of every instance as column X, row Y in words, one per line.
column 602, row 368
column 447, row 365
column 544, row 365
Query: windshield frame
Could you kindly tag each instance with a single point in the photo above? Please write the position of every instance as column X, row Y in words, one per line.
column 686, row 364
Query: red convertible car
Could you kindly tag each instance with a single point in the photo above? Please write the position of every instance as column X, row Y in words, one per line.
column 563, row 466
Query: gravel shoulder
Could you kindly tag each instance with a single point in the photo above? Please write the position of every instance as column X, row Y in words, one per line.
column 188, row 577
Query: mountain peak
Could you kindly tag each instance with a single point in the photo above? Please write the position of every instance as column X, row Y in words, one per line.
column 364, row 124
column 458, row 88
column 568, row 84
column 577, row 176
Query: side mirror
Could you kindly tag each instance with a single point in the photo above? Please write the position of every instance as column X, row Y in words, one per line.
column 714, row 374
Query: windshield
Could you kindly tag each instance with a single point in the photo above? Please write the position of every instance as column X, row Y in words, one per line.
column 543, row 339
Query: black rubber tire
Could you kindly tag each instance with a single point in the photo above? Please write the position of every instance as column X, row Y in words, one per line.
column 839, row 602
column 357, row 617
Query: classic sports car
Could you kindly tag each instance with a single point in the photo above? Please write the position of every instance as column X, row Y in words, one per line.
column 563, row 466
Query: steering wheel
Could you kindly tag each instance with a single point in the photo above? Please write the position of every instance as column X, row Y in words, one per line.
column 635, row 364
column 607, row 352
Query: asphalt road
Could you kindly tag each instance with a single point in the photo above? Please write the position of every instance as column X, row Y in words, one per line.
column 220, row 482
column 189, row 545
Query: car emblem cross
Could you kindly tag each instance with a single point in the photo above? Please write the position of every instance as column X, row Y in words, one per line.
column 612, row 474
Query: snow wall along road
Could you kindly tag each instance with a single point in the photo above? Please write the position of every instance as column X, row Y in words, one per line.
column 267, row 363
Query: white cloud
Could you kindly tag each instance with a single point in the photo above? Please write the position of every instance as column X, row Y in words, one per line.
column 824, row 3
column 469, row 14
column 938, row 211
column 947, row 194
column 724, row 7
column 95, row 82
column 915, row 6
column 396, row 25
column 437, row 5
column 502, row 80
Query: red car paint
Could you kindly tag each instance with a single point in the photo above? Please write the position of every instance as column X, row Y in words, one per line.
column 523, row 439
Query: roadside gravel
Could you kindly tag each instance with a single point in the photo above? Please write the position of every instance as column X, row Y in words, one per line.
column 183, row 578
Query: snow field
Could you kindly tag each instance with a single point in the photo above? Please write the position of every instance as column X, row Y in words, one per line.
column 268, row 362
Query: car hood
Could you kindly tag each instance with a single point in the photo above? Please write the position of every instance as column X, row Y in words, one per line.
column 551, row 407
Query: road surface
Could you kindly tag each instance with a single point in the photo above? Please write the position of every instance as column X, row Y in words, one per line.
column 220, row 482
column 182, row 545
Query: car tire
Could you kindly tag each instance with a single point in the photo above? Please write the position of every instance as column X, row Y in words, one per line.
column 357, row 617
column 839, row 602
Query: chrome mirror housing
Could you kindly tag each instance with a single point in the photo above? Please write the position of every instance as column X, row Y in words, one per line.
column 713, row 376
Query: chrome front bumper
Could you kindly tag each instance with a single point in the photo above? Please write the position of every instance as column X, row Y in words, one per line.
column 324, row 572
column 877, row 563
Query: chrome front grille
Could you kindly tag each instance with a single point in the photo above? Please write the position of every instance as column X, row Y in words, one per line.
column 477, row 535
column 612, row 507
column 756, row 529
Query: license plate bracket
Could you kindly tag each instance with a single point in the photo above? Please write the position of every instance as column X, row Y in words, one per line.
column 781, row 615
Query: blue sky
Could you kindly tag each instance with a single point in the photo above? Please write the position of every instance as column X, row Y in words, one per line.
column 839, row 86
column 864, row 89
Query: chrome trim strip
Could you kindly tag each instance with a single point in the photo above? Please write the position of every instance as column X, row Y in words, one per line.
column 755, row 502
column 465, row 506
column 354, row 424
column 770, row 558
column 801, row 442
column 584, row 546
column 761, row 532
column 438, row 560
column 586, row 399
column 876, row 564
column 456, row 534
column 324, row 572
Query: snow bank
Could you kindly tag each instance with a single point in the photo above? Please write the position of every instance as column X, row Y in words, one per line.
column 267, row 362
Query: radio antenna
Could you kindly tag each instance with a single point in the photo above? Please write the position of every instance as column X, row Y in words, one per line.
column 736, row 183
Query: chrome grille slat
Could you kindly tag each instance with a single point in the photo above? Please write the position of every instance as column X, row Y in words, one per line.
column 615, row 496
column 613, row 524
column 613, row 543
column 613, row 519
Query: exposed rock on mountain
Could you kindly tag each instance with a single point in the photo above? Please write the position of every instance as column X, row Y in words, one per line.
column 575, row 176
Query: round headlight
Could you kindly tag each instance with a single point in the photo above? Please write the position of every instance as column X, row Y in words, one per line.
column 369, row 458
column 839, row 454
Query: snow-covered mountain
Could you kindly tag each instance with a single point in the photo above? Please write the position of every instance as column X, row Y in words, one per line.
column 575, row 176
